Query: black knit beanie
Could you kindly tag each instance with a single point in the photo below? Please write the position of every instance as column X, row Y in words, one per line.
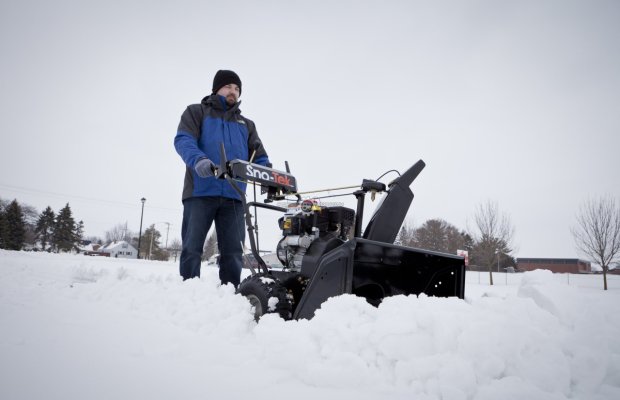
column 224, row 77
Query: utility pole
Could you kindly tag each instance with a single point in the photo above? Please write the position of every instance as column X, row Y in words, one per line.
column 151, row 245
column 167, row 231
column 140, row 234
column 125, row 233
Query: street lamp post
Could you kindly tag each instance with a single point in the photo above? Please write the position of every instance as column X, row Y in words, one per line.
column 140, row 234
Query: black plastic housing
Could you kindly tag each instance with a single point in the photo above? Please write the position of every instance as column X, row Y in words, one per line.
column 374, row 270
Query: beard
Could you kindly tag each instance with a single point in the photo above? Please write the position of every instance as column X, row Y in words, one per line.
column 231, row 100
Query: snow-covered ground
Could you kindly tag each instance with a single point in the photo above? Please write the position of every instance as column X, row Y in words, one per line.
column 77, row 327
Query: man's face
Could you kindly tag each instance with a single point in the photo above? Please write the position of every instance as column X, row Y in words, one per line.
column 230, row 93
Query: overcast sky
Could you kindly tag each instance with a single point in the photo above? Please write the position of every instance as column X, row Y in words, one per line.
column 516, row 102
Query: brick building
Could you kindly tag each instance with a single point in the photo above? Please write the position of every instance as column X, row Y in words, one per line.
column 561, row 265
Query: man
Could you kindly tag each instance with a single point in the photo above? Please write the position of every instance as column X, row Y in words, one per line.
column 203, row 127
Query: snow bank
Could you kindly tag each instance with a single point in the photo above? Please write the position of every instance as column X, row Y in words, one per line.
column 83, row 327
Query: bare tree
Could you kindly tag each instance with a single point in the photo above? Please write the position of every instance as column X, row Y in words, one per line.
column 175, row 248
column 493, row 236
column 94, row 239
column 210, row 247
column 118, row 233
column 597, row 233
column 30, row 216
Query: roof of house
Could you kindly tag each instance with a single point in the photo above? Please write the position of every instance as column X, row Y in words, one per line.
column 118, row 245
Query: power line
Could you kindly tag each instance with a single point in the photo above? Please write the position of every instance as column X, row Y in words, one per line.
column 82, row 198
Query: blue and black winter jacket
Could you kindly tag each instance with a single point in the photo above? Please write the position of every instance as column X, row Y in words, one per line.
column 201, row 130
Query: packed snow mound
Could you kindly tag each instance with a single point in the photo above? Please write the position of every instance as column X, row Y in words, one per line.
column 97, row 328
column 540, row 286
column 584, row 321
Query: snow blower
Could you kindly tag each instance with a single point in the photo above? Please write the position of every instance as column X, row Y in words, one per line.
column 324, row 253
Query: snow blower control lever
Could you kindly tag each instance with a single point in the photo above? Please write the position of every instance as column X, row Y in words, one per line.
column 275, row 183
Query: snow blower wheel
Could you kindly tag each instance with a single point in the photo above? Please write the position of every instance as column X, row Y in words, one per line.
column 267, row 295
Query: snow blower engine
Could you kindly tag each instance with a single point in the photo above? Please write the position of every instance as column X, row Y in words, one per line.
column 324, row 253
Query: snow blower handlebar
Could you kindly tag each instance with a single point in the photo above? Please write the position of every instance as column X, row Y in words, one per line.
column 274, row 182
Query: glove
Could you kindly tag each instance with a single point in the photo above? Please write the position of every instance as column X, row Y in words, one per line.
column 205, row 168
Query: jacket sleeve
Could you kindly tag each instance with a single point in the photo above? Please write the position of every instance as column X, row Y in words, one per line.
column 186, row 139
column 255, row 145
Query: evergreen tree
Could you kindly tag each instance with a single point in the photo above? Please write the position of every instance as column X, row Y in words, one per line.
column 77, row 234
column 63, row 238
column 4, row 229
column 150, row 246
column 16, row 227
column 45, row 227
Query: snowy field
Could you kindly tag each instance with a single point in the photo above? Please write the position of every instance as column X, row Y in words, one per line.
column 77, row 327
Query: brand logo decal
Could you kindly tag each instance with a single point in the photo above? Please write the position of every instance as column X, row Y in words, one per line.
column 271, row 176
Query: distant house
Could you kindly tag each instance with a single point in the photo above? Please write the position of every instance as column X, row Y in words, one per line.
column 89, row 248
column 120, row 249
column 87, row 245
column 561, row 265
